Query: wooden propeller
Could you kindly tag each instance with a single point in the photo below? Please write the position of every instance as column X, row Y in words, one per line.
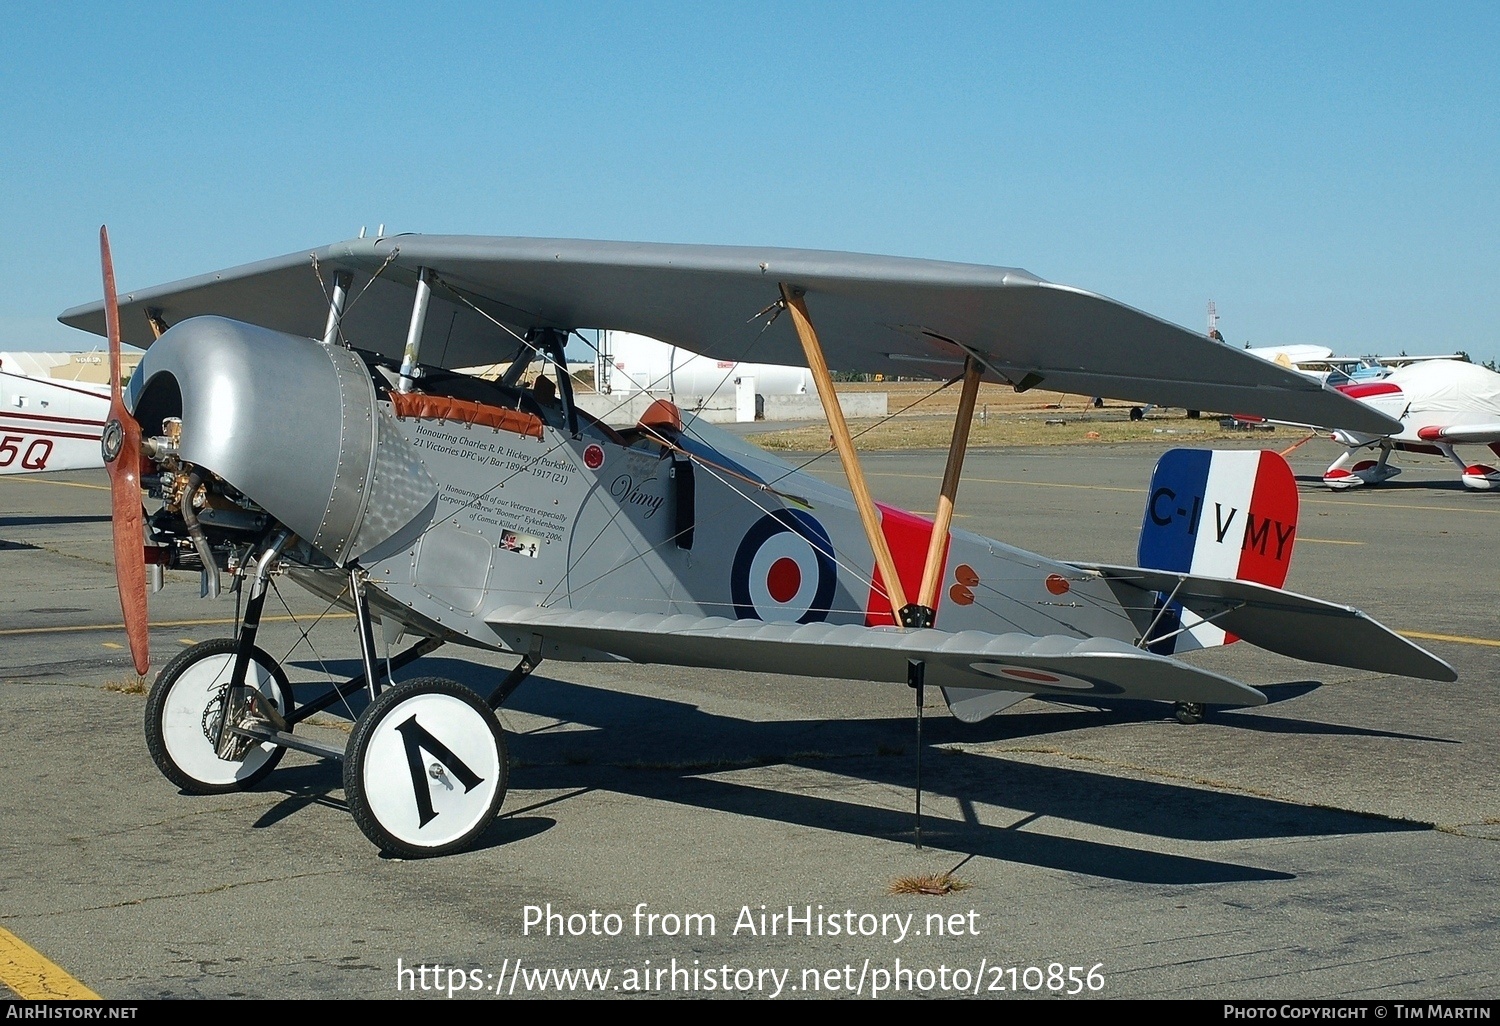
column 121, row 443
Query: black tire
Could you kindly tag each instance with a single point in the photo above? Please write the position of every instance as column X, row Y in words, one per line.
column 175, row 750
column 383, row 773
column 1189, row 712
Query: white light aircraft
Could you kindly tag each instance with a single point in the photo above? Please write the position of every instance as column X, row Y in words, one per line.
column 1440, row 404
column 52, row 409
column 641, row 364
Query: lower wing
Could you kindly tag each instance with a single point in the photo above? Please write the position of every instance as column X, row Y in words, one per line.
column 972, row 660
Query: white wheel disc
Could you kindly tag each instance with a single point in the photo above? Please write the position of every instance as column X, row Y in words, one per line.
column 431, row 770
column 192, row 706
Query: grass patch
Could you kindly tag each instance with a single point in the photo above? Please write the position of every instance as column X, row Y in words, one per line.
column 926, row 432
column 1004, row 417
column 132, row 685
column 928, row 883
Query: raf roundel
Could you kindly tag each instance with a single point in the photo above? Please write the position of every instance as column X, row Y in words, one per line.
column 1028, row 678
column 784, row 570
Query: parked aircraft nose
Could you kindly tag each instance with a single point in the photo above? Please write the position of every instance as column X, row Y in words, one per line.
column 293, row 425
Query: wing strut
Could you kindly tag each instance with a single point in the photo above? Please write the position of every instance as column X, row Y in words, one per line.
column 341, row 282
column 932, row 570
column 409, row 368
column 868, row 515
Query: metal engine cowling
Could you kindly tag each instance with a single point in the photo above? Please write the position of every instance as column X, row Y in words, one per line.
column 293, row 425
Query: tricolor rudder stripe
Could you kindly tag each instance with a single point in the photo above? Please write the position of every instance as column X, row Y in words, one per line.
column 1217, row 514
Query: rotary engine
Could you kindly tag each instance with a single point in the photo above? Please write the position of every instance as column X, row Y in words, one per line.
column 248, row 431
column 204, row 523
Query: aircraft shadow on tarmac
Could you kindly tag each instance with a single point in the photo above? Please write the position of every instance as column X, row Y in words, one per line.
column 1239, row 719
column 309, row 785
column 670, row 751
column 1314, row 484
column 26, row 520
column 40, row 521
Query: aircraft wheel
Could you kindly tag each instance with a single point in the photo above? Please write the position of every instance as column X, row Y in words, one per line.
column 183, row 707
column 1189, row 712
column 1136, row 413
column 427, row 768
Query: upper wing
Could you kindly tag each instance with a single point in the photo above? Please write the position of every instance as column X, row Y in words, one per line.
column 1278, row 621
column 969, row 659
column 881, row 314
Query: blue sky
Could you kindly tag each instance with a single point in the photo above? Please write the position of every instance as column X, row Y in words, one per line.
column 1324, row 173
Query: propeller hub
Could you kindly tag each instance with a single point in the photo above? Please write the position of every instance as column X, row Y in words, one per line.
column 112, row 440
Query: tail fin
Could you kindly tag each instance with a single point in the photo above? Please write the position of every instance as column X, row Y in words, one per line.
column 1217, row 514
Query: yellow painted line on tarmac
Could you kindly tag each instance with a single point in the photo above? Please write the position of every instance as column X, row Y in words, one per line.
column 163, row 624
column 19, row 479
column 1329, row 541
column 1401, row 505
column 1459, row 638
column 34, row 976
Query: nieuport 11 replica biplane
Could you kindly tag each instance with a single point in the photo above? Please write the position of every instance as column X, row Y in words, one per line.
column 301, row 416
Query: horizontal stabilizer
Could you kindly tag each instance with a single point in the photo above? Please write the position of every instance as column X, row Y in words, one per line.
column 1052, row 665
column 1278, row 621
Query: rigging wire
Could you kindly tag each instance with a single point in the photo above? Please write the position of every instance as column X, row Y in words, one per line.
column 328, row 296
column 562, row 439
column 306, row 636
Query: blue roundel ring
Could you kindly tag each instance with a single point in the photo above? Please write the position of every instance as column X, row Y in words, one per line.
column 767, row 528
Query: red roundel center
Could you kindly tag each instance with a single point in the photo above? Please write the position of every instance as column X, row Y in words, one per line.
column 784, row 580
column 1039, row 677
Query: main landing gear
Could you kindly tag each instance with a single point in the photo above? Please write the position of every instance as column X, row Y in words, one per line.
column 425, row 768
column 186, row 706
column 1189, row 712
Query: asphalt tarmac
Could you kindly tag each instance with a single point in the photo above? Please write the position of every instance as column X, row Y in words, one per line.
column 1337, row 843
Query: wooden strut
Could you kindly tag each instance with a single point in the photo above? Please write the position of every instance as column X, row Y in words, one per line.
column 868, row 514
column 932, row 570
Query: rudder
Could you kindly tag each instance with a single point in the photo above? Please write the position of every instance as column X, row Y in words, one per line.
column 1216, row 513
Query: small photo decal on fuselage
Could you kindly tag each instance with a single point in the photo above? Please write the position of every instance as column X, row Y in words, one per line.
column 524, row 544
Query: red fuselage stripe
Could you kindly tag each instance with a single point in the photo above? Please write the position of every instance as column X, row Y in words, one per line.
column 42, row 416
column 24, row 431
column 1368, row 389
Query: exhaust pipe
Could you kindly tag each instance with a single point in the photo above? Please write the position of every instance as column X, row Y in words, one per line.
column 209, row 586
